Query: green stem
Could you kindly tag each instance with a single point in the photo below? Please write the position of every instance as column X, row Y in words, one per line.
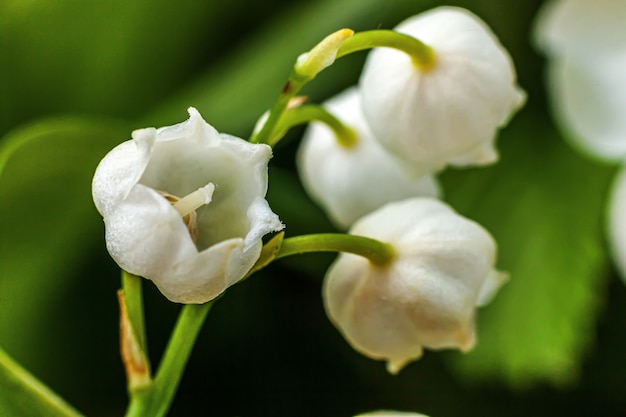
column 291, row 88
column 423, row 55
column 155, row 400
column 379, row 253
column 132, row 286
column 307, row 66
column 309, row 113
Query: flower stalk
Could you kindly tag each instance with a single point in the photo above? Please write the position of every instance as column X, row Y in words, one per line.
column 156, row 398
column 422, row 55
column 378, row 253
column 346, row 136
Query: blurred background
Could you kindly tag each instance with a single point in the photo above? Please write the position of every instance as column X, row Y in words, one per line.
column 77, row 77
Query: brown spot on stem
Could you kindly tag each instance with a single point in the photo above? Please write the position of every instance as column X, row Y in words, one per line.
column 134, row 359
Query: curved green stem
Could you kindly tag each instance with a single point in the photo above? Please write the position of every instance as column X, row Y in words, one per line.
column 155, row 399
column 295, row 82
column 423, row 55
column 309, row 113
column 379, row 253
column 307, row 66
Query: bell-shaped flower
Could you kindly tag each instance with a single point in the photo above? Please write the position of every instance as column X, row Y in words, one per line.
column 426, row 297
column 449, row 112
column 349, row 181
column 617, row 222
column 184, row 206
column 586, row 44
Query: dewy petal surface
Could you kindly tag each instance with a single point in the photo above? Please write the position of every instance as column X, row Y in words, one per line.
column 450, row 113
column 349, row 182
column 426, row 297
column 147, row 236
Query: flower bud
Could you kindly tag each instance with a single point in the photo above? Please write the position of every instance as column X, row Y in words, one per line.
column 350, row 181
column 427, row 296
column 184, row 207
column 450, row 112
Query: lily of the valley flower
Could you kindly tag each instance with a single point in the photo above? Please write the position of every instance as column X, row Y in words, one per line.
column 427, row 296
column 184, row 207
column 586, row 44
column 352, row 180
column 448, row 113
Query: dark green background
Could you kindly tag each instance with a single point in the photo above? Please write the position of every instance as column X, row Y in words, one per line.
column 77, row 76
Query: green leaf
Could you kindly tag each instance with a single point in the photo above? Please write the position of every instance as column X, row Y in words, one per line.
column 544, row 205
column 114, row 57
column 47, row 224
column 21, row 395
column 234, row 93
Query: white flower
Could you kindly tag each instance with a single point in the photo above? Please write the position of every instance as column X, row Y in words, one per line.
column 387, row 413
column 581, row 27
column 427, row 296
column 449, row 113
column 587, row 72
column 617, row 222
column 352, row 181
column 184, row 207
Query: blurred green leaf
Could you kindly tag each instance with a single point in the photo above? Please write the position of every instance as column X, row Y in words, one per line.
column 21, row 395
column 114, row 57
column 47, row 223
column 545, row 207
column 238, row 89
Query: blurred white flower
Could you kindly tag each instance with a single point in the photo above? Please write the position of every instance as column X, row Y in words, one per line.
column 448, row 113
column 581, row 27
column 387, row 413
column 586, row 44
column 427, row 296
column 350, row 181
column 184, row 207
column 617, row 222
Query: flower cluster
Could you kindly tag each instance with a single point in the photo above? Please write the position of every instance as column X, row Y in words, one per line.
column 184, row 206
column 586, row 46
column 410, row 119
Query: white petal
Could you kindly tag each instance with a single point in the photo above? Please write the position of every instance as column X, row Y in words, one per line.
column 581, row 27
column 350, row 182
column 426, row 297
column 121, row 169
column 589, row 99
column 446, row 114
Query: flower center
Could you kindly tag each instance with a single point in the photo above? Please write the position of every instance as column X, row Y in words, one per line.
column 188, row 205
